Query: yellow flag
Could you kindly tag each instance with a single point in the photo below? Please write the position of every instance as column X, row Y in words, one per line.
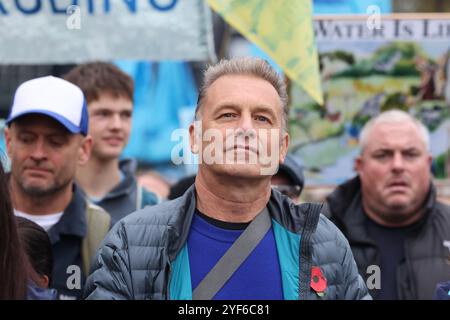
column 284, row 30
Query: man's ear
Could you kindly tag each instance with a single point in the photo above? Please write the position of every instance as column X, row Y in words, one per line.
column 44, row 281
column 357, row 166
column 8, row 141
column 284, row 146
column 84, row 152
column 194, row 138
column 430, row 160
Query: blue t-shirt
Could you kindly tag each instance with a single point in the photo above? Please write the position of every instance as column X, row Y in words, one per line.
column 258, row 277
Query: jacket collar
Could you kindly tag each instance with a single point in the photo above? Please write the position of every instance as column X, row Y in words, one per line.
column 345, row 204
column 128, row 184
column 295, row 218
column 73, row 220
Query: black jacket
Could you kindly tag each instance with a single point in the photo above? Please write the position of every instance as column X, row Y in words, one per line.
column 66, row 237
column 427, row 260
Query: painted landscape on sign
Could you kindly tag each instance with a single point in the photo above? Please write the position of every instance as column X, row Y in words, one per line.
column 360, row 80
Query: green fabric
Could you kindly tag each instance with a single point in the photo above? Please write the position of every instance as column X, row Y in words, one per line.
column 288, row 246
column 180, row 287
column 148, row 198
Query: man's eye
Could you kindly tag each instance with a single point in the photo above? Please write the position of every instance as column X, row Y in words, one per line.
column 228, row 115
column 102, row 113
column 56, row 142
column 411, row 155
column 380, row 156
column 26, row 139
column 261, row 118
column 125, row 115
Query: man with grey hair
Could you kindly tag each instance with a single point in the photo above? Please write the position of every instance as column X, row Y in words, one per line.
column 230, row 236
column 397, row 229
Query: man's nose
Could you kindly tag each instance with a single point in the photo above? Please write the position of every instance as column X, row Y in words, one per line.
column 398, row 163
column 246, row 131
column 116, row 122
column 246, row 123
column 39, row 152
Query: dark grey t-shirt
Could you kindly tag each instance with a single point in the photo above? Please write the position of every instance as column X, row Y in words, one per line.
column 391, row 244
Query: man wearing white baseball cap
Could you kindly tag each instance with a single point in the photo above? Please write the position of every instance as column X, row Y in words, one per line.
column 47, row 137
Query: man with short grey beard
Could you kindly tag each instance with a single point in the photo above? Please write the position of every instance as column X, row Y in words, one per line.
column 47, row 137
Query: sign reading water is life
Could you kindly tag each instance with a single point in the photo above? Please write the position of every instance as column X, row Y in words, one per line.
column 73, row 31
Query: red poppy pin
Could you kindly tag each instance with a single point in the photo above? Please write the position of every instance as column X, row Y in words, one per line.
column 318, row 281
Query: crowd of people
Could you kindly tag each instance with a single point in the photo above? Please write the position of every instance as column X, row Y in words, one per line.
column 76, row 224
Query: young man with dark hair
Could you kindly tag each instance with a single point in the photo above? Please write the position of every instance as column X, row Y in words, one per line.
column 108, row 181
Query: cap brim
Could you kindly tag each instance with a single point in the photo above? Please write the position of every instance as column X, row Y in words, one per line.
column 66, row 123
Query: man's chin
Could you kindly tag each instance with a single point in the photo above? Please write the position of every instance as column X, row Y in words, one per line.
column 399, row 204
column 38, row 190
column 244, row 170
column 109, row 154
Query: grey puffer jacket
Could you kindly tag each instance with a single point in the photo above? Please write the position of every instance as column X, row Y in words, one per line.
column 127, row 196
column 140, row 257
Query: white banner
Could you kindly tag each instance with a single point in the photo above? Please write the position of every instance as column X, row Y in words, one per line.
column 74, row 31
column 403, row 27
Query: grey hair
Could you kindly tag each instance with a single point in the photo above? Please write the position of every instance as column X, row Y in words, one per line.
column 248, row 66
column 393, row 116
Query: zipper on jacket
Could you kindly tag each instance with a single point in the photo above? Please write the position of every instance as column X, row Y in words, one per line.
column 168, row 270
column 311, row 223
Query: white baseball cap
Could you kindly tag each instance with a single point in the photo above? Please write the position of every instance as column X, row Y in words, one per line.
column 53, row 97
